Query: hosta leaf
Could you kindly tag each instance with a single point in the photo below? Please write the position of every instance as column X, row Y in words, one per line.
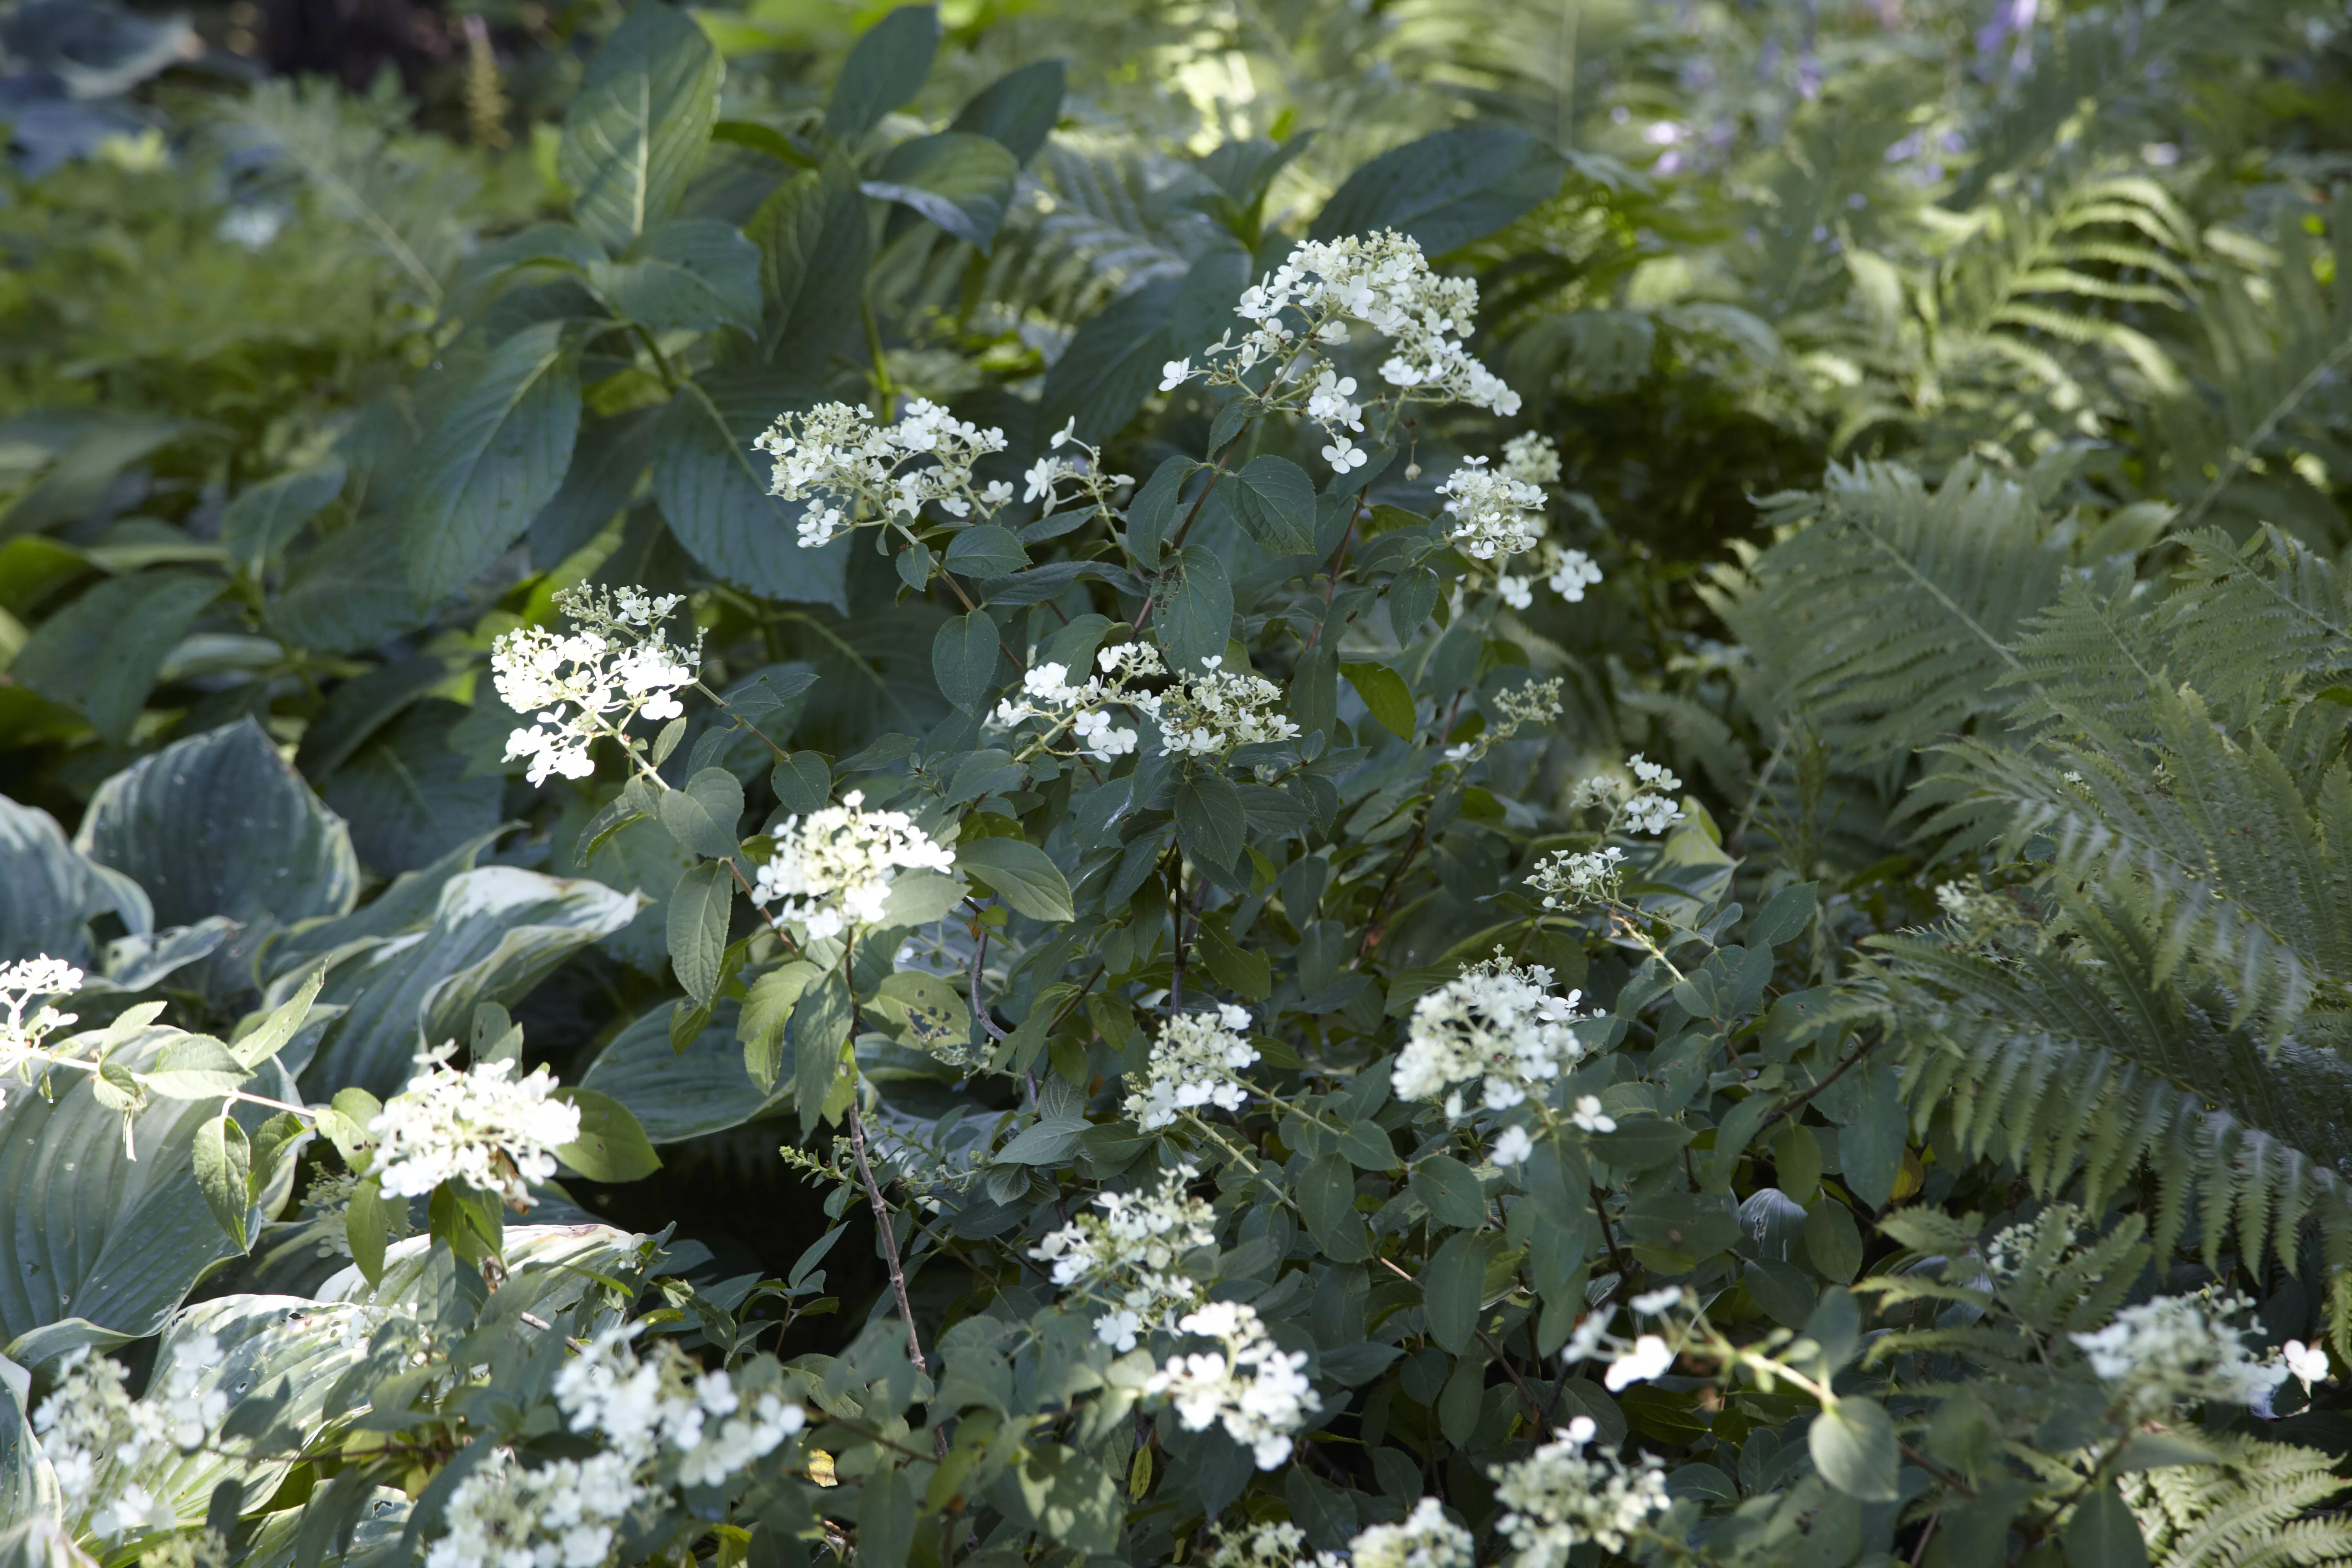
column 677, row 1095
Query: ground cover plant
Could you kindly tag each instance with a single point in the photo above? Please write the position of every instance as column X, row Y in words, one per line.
column 1344, row 788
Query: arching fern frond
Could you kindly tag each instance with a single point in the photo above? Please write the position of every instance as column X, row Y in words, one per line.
column 2256, row 1506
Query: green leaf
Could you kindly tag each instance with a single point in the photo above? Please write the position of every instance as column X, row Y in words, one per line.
column 194, row 1067
column 1870, row 1146
column 1021, row 874
column 1446, row 189
column 1640, row 1143
column 802, row 782
column 608, row 458
column 885, row 68
column 986, row 550
column 1386, row 694
column 367, row 1227
column 635, row 132
column 1411, row 596
column 1854, row 1449
column 923, row 1009
column 965, row 658
column 1110, row 364
column 715, row 498
column 348, row 590
column 1784, row 916
column 496, row 457
column 411, row 967
column 1833, row 1241
column 815, row 243
column 1210, row 820
column 1454, row 1287
column 611, row 1146
column 960, row 181
column 820, row 1027
column 223, row 1163
column 1274, row 499
column 103, row 652
column 1151, row 514
column 887, row 1517
column 54, row 890
column 265, row 517
column 94, row 1233
column 1197, row 619
column 920, row 897
column 1018, row 108
column 689, row 275
column 2104, row 1534
column 1327, row 1202
column 1248, row 975
column 699, row 907
column 703, row 816
column 1449, row 1190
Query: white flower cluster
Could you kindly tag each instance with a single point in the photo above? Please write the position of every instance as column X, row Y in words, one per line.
column 666, row 1409
column 859, row 471
column 1644, row 804
column 1197, row 1060
column 1494, row 514
column 833, row 869
column 1558, row 1499
column 483, row 1127
column 1532, row 458
column 1046, row 693
column 95, row 1434
column 1270, row 1544
column 1639, row 1359
column 1311, row 303
column 1126, row 1258
column 1494, row 1021
column 1567, row 878
column 617, row 666
column 1250, row 1385
column 560, row 1515
column 1210, row 713
column 1536, row 702
column 1043, row 479
column 2177, row 1350
column 21, row 1037
column 1425, row 1539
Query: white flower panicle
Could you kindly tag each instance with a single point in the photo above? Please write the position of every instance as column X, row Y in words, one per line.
column 1210, row 713
column 1047, row 693
column 663, row 1410
column 1531, row 459
column 1425, row 1538
column 1126, row 1258
column 559, row 1515
column 1495, row 1021
column 1559, row 1498
column 20, row 1035
column 1567, row 878
column 1643, row 804
column 1272, row 1543
column 1196, row 1061
column 1312, row 303
column 1537, row 703
column 484, row 1127
column 618, row 666
column 2177, row 1350
column 833, row 870
column 1255, row 1389
column 1043, row 479
column 1494, row 514
column 95, row 1434
column 852, row 470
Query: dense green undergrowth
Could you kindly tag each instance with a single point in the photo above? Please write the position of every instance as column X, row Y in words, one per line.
column 1421, row 784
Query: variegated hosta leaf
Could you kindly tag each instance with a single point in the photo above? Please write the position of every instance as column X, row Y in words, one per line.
column 490, row 935
column 54, row 890
column 676, row 1095
column 375, row 1538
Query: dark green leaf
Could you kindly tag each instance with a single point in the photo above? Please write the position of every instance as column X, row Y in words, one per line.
column 1833, row 1241
column 689, row 275
column 802, row 782
column 1021, row 874
column 960, row 181
column 986, row 550
column 265, row 517
column 885, row 68
column 703, row 816
column 1450, row 1191
column 2104, row 1534
column 1111, row 364
column 698, row 910
column 494, row 458
column 1274, row 499
column 102, row 653
column 635, row 134
column 1018, row 108
column 1453, row 1287
column 1197, row 619
column 194, row 1067
column 1210, row 821
column 965, row 658
column 714, row 495
column 1246, row 974
column 1411, row 596
column 1151, row 514
column 1783, row 918
column 820, row 1027
column 814, row 244
column 1327, row 1202
column 1640, row 1143
column 1446, row 189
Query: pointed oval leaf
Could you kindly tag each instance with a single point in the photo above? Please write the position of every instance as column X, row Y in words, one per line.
column 494, row 458
column 635, row 134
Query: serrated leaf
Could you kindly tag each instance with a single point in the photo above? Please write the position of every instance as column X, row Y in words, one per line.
column 636, row 130
column 885, row 68
column 194, row 1067
column 714, row 496
column 985, row 550
column 699, row 907
column 265, row 517
column 103, row 652
column 1197, row 619
column 1446, row 189
column 223, row 1162
column 1275, row 500
column 496, row 457
column 1449, row 1190
column 1021, row 874
column 960, row 181
column 964, row 656
column 703, row 816
column 1385, row 693
column 689, row 275
column 1210, row 820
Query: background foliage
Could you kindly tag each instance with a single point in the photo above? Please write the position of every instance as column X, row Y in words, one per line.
column 1953, row 397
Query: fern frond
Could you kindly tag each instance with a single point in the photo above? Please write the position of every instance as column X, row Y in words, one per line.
column 2254, row 1506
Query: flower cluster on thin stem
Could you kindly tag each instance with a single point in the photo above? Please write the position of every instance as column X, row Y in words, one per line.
column 1559, row 1496
column 1537, row 703
column 1495, row 1023
column 1248, row 1384
column 618, row 664
column 1425, row 1538
column 1314, row 302
column 1083, row 709
column 832, row 870
column 1126, row 1260
column 1215, row 710
column 1196, row 1061
column 484, row 1127
column 1269, row 1544
column 22, row 1033
column 854, row 471
column 663, row 1411
column 1087, row 482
